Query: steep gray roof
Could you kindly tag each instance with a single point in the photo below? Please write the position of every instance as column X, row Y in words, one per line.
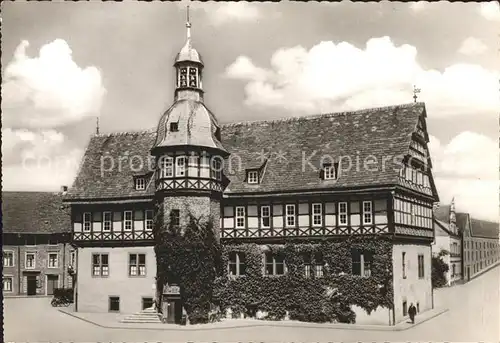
column 381, row 132
column 277, row 148
column 484, row 228
column 34, row 212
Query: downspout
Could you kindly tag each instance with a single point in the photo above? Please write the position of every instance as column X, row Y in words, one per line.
column 64, row 263
column 432, row 288
column 75, row 283
column 19, row 267
column 392, row 227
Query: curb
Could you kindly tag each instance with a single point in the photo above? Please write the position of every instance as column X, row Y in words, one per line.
column 398, row 327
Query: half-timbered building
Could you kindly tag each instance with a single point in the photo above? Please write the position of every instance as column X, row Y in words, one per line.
column 327, row 176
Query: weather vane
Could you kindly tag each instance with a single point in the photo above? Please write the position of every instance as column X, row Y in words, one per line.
column 415, row 92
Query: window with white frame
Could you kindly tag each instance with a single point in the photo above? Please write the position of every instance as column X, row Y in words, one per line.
column 166, row 166
column 367, row 212
column 342, row 213
column 265, row 216
column 216, row 170
column 87, row 221
column 317, row 214
column 100, row 265
column 8, row 258
column 127, row 220
column 107, row 220
column 140, row 183
column 193, row 160
column 180, row 166
column 253, row 177
column 240, row 216
column 30, row 261
column 361, row 262
column 290, row 215
column 329, row 171
column 137, row 265
column 149, row 220
column 236, row 264
column 313, row 264
column 7, row 283
column 274, row 264
column 53, row 260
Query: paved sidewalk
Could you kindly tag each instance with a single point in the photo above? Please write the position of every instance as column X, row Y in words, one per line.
column 112, row 321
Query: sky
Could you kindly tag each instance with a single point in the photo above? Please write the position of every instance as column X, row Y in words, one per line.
column 66, row 64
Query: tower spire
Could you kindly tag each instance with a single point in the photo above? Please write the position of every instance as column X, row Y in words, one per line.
column 97, row 126
column 188, row 25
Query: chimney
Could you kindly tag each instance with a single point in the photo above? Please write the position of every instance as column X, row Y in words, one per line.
column 64, row 189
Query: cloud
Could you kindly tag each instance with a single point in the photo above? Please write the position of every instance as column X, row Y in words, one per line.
column 337, row 77
column 490, row 10
column 472, row 46
column 467, row 168
column 418, row 6
column 49, row 90
column 41, row 160
column 222, row 13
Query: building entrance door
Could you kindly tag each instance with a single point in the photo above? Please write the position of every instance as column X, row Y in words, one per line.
column 172, row 310
column 52, row 283
column 468, row 273
column 31, row 284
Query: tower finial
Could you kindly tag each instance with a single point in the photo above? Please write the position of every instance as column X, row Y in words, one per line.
column 188, row 24
column 415, row 92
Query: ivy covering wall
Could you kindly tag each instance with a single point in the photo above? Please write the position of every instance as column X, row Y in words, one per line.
column 314, row 299
column 188, row 256
column 192, row 257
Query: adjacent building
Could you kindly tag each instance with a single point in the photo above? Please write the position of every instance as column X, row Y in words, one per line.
column 472, row 244
column 481, row 248
column 35, row 243
column 448, row 237
column 364, row 173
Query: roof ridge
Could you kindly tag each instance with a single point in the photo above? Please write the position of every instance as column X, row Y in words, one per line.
column 323, row 115
column 125, row 133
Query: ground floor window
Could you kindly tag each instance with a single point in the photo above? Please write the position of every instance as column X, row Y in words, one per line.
column 236, row 263
column 405, row 309
column 313, row 265
column 147, row 302
column 7, row 284
column 361, row 262
column 114, row 304
column 275, row 264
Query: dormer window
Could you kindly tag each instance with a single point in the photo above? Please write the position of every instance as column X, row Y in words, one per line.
column 140, row 183
column 253, row 177
column 174, row 127
column 329, row 171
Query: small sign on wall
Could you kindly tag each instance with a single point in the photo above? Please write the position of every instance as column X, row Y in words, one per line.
column 172, row 289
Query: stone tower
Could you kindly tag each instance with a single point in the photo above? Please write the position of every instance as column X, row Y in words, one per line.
column 188, row 151
column 453, row 219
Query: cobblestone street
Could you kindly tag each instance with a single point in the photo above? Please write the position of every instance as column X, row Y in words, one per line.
column 473, row 316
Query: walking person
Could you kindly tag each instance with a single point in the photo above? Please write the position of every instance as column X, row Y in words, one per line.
column 412, row 311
